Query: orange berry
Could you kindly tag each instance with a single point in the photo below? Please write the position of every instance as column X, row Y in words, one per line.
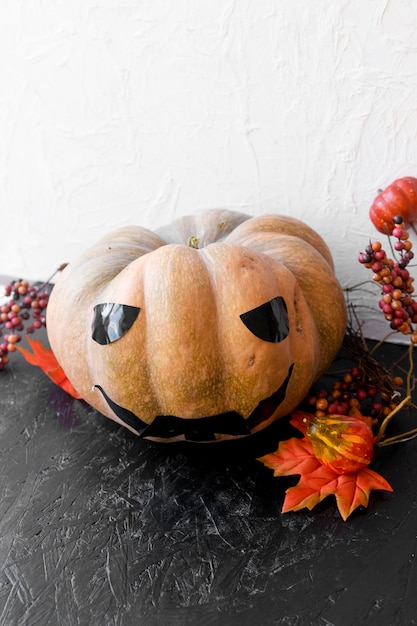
column 404, row 329
column 322, row 404
column 396, row 305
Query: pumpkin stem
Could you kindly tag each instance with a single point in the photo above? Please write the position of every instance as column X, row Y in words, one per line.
column 193, row 242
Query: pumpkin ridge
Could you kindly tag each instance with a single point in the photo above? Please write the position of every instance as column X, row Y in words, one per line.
column 245, row 383
column 317, row 281
column 175, row 327
column 258, row 228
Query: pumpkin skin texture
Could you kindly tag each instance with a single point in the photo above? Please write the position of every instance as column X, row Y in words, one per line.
column 176, row 342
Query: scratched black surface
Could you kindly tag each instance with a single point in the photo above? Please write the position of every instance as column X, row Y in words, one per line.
column 99, row 527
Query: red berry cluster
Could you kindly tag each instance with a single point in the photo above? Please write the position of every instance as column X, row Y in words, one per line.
column 352, row 391
column 27, row 304
column 396, row 303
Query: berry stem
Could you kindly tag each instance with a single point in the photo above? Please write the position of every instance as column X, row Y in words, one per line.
column 48, row 280
column 353, row 287
column 382, row 341
column 24, row 311
column 397, row 302
column 410, row 434
column 410, row 368
column 405, row 402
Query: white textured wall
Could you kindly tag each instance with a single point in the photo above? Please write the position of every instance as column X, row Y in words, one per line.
column 138, row 111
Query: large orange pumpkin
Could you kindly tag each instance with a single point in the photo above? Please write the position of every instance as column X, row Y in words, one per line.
column 208, row 329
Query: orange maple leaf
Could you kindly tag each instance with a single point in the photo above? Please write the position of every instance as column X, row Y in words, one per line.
column 45, row 359
column 296, row 456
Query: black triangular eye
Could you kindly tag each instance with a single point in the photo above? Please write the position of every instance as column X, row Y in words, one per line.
column 268, row 321
column 111, row 321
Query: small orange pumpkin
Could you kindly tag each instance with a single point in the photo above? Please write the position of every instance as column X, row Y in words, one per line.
column 399, row 198
column 208, row 329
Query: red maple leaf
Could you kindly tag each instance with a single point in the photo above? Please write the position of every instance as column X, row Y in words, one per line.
column 45, row 359
column 296, row 456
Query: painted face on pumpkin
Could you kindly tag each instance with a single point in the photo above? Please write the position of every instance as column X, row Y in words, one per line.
column 269, row 322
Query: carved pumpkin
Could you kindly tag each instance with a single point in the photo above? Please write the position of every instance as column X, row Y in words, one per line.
column 208, row 329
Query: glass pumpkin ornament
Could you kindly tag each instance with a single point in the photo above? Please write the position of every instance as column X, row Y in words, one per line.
column 343, row 444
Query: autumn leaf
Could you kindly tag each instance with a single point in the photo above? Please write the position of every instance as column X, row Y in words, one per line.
column 45, row 359
column 317, row 482
column 294, row 456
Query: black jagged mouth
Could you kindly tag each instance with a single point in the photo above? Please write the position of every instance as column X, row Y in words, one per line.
column 202, row 428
